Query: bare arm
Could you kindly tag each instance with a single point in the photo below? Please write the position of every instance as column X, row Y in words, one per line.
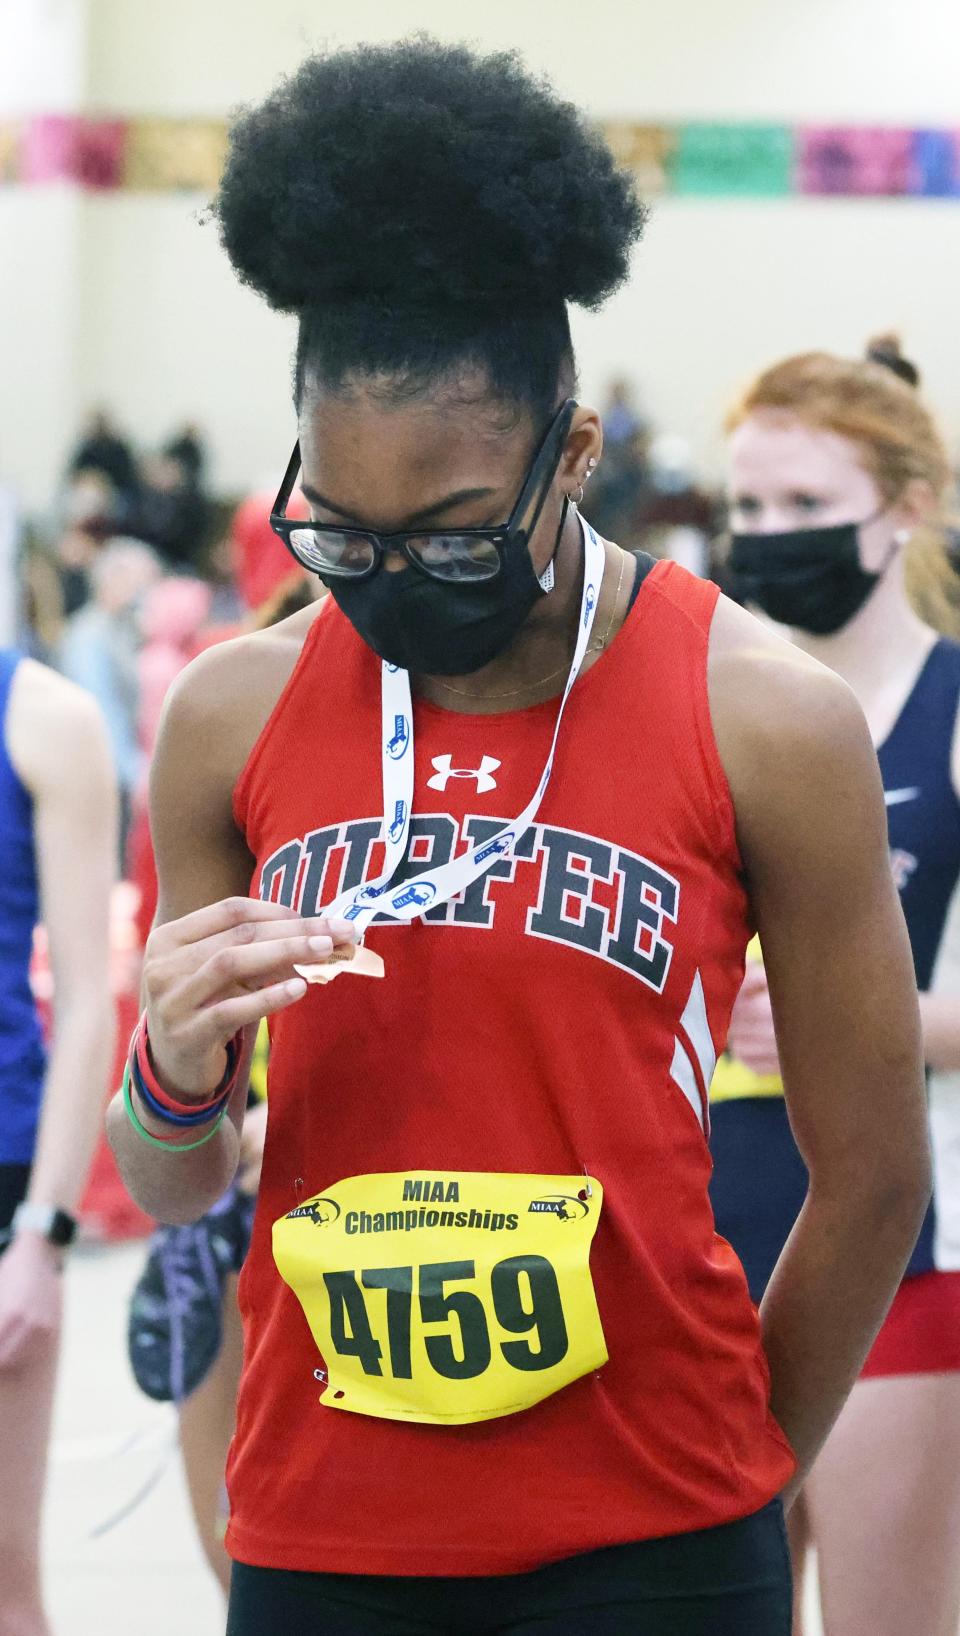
column 200, row 859
column 58, row 745
column 940, row 1016
column 217, row 960
column 812, row 829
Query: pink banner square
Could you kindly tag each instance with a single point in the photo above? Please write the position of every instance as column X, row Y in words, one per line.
column 100, row 153
column 71, row 148
column 854, row 160
column 48, row 148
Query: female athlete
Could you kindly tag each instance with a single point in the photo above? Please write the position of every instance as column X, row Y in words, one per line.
column 500, row 1374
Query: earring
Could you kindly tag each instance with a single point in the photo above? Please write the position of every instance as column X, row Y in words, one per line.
column 902, row 536
column 577, row 499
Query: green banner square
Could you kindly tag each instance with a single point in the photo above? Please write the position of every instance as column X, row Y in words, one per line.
column 745, row 161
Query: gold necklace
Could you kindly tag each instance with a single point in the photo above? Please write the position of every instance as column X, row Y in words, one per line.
column 513, row 693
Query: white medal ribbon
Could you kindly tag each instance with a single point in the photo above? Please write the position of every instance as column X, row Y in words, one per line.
column 433, row 886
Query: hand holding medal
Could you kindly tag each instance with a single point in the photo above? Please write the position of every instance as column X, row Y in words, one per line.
column 223, row 968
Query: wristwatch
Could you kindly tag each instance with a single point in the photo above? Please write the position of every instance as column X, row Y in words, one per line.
column 56, row 1226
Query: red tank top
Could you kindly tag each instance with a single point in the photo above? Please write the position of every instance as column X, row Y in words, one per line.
column 562, row 1016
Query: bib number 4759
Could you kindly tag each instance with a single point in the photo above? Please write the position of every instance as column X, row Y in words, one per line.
column 526, row 1302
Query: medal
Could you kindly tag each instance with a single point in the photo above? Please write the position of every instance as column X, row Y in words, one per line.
column 365, row 963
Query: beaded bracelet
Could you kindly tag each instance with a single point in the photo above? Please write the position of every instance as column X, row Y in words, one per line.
column 171, row 1107
column 168, row 1143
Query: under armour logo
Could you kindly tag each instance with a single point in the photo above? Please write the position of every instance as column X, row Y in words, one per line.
column 445, row 771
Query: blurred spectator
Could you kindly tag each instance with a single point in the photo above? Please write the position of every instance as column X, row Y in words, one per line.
column 91, row 514
column 102, row 449
column 90, row 502
column 674, row 518
column 172, row 616
column 54, row 575
column 187, row 448
column 174, row 629
column 621, row 476
column 620, row 481
column 622, row 420
column 228, row 606
column 291, row 596
column 173, row 513
column 259, row 558
column 100, row 651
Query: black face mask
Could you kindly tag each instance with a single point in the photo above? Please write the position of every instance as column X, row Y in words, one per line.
column 809, row 578
column 439, row 628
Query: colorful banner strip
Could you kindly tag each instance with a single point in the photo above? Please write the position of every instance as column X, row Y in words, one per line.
column 132, row 155
column 697, row 159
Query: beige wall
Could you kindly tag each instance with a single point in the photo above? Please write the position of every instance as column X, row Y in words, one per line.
column 150, row 320
column 43, row 55
column 886, row 59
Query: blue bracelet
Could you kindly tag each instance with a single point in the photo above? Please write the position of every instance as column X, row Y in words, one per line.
column 185, row 1120
column 165, row 1142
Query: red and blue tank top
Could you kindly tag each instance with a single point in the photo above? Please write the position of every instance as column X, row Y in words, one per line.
column 561, row 1018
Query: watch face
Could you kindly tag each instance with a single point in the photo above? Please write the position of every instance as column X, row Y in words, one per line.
column 63, row 1228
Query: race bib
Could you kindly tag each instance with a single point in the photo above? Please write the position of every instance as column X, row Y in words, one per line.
column 446, row 1297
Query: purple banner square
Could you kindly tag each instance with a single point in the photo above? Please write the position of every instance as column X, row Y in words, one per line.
column 855, row 160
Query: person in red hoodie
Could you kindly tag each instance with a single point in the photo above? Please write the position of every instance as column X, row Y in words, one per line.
column 260, row 562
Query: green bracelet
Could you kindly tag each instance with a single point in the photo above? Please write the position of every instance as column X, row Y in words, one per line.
column 155, row 1141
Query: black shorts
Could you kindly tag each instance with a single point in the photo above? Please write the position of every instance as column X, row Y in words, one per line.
column 728, row 1581
column 14, row 1181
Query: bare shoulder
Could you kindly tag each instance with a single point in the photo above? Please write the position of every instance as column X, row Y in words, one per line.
column 42, row 698
column 55, row 731
column 792, row 739
column 219, row 705
column 767, row 696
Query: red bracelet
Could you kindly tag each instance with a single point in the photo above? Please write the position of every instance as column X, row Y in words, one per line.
column 140, row 1047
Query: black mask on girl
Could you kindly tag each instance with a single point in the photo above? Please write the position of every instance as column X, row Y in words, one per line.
column 809, row 578
column 441, row 628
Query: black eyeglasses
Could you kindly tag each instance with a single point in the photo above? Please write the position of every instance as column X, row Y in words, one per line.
column 463, row 554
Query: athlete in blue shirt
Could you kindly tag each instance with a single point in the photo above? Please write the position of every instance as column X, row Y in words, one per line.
column 58, row 826
column 834, row 466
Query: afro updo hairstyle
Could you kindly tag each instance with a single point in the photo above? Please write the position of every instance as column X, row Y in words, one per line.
column 427, row 213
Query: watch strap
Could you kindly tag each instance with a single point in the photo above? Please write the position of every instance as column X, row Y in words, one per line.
column 52, row 1223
